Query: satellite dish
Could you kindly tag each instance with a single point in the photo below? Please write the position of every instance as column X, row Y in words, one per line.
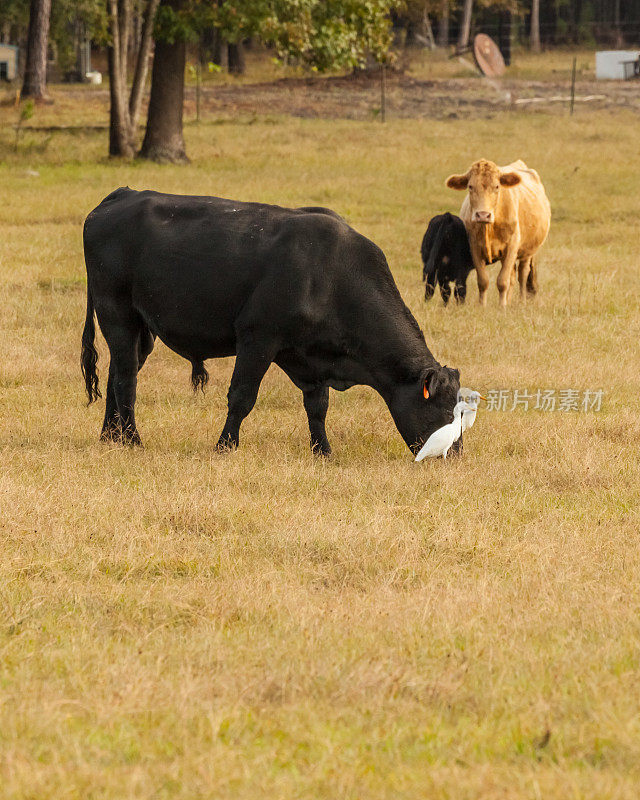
column 488, row 56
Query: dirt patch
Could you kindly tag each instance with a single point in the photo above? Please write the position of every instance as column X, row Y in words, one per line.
column 407, row 97
column 356, row 98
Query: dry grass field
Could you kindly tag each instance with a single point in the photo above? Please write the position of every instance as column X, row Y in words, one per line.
column 176, row 623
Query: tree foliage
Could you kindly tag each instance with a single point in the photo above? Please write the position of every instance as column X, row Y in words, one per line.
column 319, row 34
column 329, row 34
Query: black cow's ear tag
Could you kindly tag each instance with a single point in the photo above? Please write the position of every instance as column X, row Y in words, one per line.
column 425, row 391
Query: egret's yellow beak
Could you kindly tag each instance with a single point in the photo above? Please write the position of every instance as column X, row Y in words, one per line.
column 483, row 398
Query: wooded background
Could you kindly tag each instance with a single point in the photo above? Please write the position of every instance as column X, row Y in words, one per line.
column 317, row 35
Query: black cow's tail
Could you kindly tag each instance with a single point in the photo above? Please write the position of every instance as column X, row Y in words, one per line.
column 434, row 252
column 89, row 354
column 199, row 376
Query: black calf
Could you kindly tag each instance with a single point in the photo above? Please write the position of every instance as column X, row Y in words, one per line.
column 446, row 257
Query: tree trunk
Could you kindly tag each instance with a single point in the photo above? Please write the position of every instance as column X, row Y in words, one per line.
column 577, row 16
column 120, row 133
column 212, row 47
column 504, row 36
column 443, row 26
column 35, row 73
column 410, row 33
column 427, row 29
column 163, row 139
column 534, row 38
column 142, row 62
column 235, row 58
column 465, row 25
column 619, row 40
column 124, row 111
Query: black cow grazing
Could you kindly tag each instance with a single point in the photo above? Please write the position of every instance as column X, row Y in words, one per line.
column 446, row 256
column 294, row 287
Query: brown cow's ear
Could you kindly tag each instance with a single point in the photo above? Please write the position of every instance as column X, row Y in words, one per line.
column 509, row 179
column 457, row 181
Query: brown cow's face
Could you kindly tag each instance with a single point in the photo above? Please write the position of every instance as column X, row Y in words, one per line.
column 485, row 181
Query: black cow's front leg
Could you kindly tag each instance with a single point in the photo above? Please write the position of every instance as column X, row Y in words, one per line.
column 251, row 366
column 316, row 404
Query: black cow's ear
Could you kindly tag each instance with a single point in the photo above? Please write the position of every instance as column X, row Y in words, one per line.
column 429, row 384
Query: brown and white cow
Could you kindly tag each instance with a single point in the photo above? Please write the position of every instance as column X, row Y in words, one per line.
column 507, row 216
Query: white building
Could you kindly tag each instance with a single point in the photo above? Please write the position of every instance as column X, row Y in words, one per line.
column 8, row 62
column 616, row 65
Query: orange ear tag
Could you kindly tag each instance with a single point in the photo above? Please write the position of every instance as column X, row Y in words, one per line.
column 425, row 391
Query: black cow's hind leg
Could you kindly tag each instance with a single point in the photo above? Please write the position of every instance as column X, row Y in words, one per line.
column 145, row 346
column 251, row 365
column 460, row 291
column 126, row 379
column 316, row 404
column 111, row 427
column 128, row 340
column 430, row 284
column 445, row 291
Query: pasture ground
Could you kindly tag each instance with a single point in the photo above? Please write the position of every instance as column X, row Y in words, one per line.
column 179, row 624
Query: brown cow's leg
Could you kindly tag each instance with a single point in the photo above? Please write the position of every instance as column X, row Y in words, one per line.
column 532, row 280
column 482, row 275
column 524, row 267
column 483, row 283
column 504, row 278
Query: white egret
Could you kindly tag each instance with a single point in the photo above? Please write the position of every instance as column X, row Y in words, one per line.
column 440, row 441
column 472, row 398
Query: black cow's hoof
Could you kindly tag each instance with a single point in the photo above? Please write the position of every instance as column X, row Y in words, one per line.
column 111, row 434
column 321, row 452
column 226, row 445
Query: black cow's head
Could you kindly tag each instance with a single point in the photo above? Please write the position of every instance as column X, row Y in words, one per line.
column 421, row 407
